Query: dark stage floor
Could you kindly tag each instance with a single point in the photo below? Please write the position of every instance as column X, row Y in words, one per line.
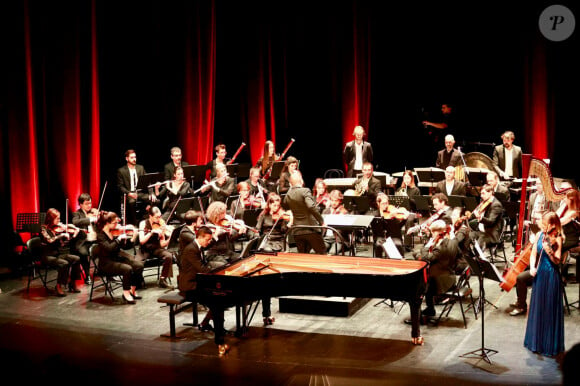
column 106, row 342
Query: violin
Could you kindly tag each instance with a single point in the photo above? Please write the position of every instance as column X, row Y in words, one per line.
column 229, row 223
column 129, row 230
column 62, row 228
column 281, row 215
column 163, row 227
column 394, row 213
column 253, row 202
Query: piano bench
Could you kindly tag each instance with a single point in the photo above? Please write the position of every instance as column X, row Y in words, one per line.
column 177, row 303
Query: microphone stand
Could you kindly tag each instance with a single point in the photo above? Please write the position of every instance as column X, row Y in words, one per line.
column 465, row 170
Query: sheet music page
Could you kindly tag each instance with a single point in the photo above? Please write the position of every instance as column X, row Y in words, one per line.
column 391, row 249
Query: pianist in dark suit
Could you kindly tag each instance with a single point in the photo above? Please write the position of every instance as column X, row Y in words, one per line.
column 450, row 186
column 192, row 261
column 127, row 179
column 300, row 201
column 441, row 252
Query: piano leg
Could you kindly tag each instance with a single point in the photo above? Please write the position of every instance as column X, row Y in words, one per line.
column 219, row 331
column 415, row 307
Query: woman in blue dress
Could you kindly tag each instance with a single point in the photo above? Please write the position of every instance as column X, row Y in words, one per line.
column 545, row 329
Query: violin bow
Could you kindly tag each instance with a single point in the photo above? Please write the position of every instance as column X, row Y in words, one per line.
column 201, row 209
column 102, row 195
column 173, row 210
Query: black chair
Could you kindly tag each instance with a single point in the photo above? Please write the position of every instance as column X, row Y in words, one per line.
column 333, row 173
column 499, row 247
column 460, row 291
column 35, row 266
column 109, row 282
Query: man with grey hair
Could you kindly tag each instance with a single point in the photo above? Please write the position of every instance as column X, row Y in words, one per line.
column 448, row 156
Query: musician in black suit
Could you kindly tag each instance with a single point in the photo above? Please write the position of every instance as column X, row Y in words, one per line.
column 127, row 179
column 488, row 215
column 448, row 156
column 300, row 201
column 441, row 253
column 507, row 158
column 169, row 168
column 499, row 191
column 220, row 159
column 357, row 152
column 85, row 218
column 450, row 186
column 192, row 262
column 368, row 185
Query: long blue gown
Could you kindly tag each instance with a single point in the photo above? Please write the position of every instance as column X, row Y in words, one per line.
column 545, row 329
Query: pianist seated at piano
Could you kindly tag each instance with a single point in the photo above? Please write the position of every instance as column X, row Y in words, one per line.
column 333, row 244
column 441, row 253
column 389, row 221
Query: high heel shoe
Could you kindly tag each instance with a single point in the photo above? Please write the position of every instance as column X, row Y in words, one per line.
column 59, row 291
column 128, row 301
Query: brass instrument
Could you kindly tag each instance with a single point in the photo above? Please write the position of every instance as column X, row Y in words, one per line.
column 361, row 187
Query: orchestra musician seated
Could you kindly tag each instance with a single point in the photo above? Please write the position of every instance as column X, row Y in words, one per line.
column 112, row 260
column 442, row 212
column 85, row 218
column 245, row 201
column 486, row 219
column 257, row 185
column 367, row 185
column 320, row 193
column 450, row 186
column 290, row 166
column 409, row 189
column 441, row 252
column 336, row 207
column 172, row 191
column 57, row 238
column 388, row 222
column 222, row 186
column 154, row 236
column 273, row 222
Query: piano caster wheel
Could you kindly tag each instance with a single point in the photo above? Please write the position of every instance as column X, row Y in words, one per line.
column 268, row 321
column 223, row 349
column 418, row 341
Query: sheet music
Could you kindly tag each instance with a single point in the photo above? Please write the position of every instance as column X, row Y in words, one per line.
column 391, row 249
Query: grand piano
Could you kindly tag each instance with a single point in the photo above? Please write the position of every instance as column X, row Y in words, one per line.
column 285, row 273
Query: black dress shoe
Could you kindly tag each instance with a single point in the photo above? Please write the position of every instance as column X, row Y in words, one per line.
column 205, row 327
column 137, row 297
column 422, row 321
column 73, row 289
column 128, row 301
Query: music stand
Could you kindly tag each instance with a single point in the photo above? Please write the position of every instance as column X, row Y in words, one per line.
column 477, row 176
column 429, row 176
column 276, row 170
column 455, row 201
column 30, row 222
column 423, row 203
column 356, row 204
column 232, row 170
column 183, row 206
column 400, row 201
column 483, row 268
column 199, row 201
column 470, row 203
column 196, row 173
column 250, row 217
column 243, row 171
column 149, row 179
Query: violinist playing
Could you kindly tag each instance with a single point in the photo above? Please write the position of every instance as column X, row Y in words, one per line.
column 245, row 201
column 273, row 223
column 321, row 195
column 173, row 191
column 335, row 207
column 56, row 238
column 545, row 326
column 112, row 260
column 225, row 231
column 85, row 218
column 154, row 236
column 388, row 223
column 441, row 252
column 486, row 218
column 409, row 189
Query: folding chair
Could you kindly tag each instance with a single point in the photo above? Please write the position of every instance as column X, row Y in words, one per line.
column 35, row 266
column 456, row 294
column 109, row 282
